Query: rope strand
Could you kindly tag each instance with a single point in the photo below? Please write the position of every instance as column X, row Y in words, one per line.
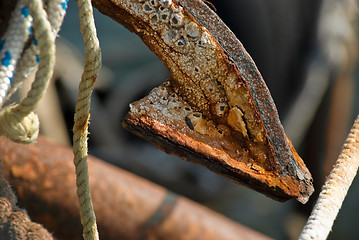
column 12, row 44
column 21, row 124
column 18, row 122
column 334, row 190
column 82, row 115
column 56, row 10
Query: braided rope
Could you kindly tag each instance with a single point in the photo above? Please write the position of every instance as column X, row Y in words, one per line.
column 12, row 44
column 80, row 129
column 14, row 222
column 340, row 51
column 56, row 10
column 335, row 189
column 18, row 122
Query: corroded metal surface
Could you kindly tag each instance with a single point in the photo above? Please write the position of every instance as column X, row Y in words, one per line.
column 216, row 109
column 126, row 206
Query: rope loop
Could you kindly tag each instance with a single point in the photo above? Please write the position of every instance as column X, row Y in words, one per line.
column 19, row 128
column 19, row 122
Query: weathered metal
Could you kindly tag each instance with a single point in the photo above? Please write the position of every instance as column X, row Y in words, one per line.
column 126, row 206
column 216, row 109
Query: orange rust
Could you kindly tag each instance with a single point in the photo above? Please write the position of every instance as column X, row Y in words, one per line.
column 127, row 206
column 210, row 4
column 93, row 81
column 251, row 164
column 210, row 66
column 26, row 171
column 82, row 124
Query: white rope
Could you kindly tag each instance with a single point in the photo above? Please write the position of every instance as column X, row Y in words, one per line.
column 56, row 10
column 18, row 122
column 12, row 44
column 334, row 190
column 82, row 115
column 339, row 41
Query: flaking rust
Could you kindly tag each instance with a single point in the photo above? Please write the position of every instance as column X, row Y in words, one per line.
column 216, row 109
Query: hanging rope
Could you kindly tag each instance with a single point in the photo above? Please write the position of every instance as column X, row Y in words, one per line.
column 82, row 115
column 56, row 10
column 334, row 190
column 18, row 122
column 12, row 44
column 339, row 44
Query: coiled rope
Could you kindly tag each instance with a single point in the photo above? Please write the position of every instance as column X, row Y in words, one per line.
column 19, row 122
column 12, row 45
column 56, row 10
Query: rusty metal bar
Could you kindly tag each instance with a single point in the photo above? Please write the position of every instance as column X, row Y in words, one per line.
column 126, row 206
column 258, row 154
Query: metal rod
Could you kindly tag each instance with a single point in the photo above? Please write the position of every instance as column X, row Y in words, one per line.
column 127, row 206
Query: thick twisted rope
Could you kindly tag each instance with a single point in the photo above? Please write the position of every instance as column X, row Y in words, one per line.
column 12, row 44
column 82, row 115
column 14, row 222
column 18, row 122
column 56, row 10
column 334, row 190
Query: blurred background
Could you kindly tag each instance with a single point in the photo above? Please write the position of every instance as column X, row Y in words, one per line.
column 306, row 51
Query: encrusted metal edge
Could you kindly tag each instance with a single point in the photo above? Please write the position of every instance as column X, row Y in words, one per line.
column 249, row 71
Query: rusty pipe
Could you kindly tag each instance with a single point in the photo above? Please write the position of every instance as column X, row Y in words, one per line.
column 126, row 206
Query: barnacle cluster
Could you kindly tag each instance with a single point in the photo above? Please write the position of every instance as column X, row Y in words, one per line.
column 203, row 78
column 177, row 30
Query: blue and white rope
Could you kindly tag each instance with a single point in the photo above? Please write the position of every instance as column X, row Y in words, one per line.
column 56, row 10
column 11, row 46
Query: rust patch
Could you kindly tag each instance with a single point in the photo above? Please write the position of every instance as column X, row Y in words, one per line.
column 216, row 109
column 82, row 124
column 93, row 81
column 121, row 213
column 27, row 171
